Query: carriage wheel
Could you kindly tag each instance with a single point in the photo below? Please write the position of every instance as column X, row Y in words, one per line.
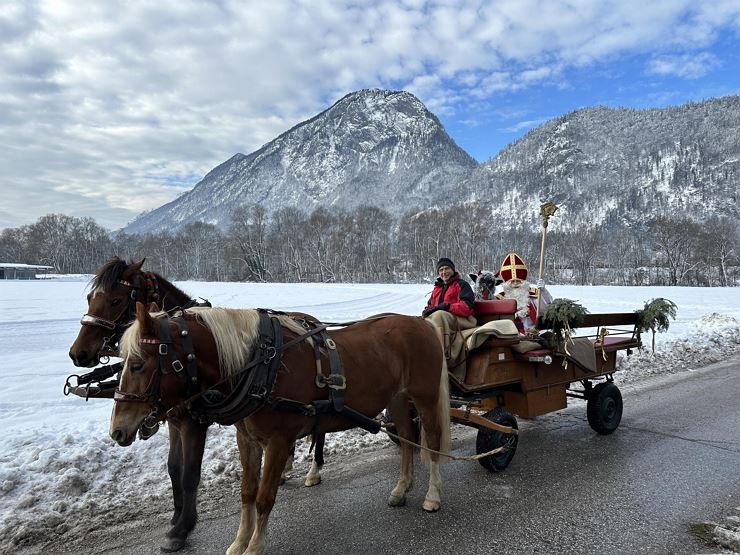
column 392, row 427
column 604, row 408
column 489, row 440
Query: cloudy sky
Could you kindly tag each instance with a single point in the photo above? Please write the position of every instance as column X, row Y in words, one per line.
column 111, row 108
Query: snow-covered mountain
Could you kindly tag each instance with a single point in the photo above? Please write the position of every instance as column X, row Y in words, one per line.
column 610, row 166
column 375, row 147
column 619, row 166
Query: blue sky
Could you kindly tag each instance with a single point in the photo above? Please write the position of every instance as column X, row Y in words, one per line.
column 111, row 108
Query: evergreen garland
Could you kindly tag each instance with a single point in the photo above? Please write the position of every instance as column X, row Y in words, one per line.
column 655, row 316
column 563, row 315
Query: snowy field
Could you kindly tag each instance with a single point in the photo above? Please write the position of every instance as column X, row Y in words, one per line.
column 58, row 465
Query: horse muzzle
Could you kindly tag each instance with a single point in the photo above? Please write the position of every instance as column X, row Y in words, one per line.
column 121, row 437
column 83, row 359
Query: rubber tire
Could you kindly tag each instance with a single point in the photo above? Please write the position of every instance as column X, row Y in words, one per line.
column 392, row 427
column 604, row 408
column 488, row 440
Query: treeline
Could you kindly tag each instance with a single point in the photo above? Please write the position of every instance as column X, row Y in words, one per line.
column 367, row 244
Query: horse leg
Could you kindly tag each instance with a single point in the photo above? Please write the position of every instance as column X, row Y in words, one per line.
column 435, row 419
column 401, row 416
column 314, row 474
column 193, row 441
column 174, row 469
column 250, row 455
column 288, row 465
column 275, row 456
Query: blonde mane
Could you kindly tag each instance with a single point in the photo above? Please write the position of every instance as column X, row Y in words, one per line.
column 235, row 331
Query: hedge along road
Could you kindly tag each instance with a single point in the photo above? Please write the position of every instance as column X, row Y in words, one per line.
column 674, row 461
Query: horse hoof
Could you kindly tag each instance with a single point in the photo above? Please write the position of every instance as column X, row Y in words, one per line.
column 172, row 544
column 396, row 501
column 314, row 481
column 431, row 506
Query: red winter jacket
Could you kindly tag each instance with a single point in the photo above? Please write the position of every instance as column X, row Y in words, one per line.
column 456, row 293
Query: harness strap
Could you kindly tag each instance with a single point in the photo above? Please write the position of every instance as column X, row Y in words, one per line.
column 191, row 364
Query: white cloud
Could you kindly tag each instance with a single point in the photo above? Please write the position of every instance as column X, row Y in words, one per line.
column 103, row 102
column 691, row 66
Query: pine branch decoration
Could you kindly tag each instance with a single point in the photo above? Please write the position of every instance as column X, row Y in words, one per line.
column 655, row 316
column 563, row 315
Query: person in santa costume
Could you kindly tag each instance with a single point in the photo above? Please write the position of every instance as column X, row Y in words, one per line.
column 450, row 308
column 514, row 273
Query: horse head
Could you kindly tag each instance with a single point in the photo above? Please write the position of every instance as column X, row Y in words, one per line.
column 156, row 352
column 109, row 308
column 485, row 283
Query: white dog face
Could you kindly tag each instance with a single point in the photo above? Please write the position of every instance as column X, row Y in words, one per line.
column 484, row 284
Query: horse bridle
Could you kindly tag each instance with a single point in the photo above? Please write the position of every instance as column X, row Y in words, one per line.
column 152, row 394
column 128, row 312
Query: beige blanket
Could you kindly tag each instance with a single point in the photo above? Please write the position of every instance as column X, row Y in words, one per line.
column 454, row 342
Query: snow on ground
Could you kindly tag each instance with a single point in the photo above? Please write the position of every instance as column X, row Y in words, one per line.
column 61, row 474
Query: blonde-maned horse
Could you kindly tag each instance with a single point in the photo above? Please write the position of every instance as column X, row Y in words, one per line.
column 387, row 362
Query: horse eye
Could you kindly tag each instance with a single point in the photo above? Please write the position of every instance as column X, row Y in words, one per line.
column 115, row 302
column 137, row 366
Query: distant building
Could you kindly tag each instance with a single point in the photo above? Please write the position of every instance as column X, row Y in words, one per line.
column 22, row 271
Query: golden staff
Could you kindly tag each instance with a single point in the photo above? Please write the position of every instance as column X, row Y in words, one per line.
column 546, row 210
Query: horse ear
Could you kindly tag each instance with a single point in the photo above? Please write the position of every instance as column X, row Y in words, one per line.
column 136, row 266
column 146, row 322
column 473, row 277
column 152, row 307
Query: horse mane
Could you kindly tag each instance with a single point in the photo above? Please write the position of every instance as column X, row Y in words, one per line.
column 108, row 275
column 235, row 331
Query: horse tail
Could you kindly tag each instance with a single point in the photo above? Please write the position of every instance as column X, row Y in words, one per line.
column 443, row 404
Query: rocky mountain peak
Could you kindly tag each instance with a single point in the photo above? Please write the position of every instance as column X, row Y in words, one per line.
column 376, row 147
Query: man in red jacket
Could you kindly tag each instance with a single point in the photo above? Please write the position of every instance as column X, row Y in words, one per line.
column 451, row 309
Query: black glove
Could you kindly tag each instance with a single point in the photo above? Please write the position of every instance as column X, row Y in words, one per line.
column 431, row 309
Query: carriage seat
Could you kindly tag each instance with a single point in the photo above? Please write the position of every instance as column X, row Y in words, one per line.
column 504, row 331
column 497, row 309
column 616, row 343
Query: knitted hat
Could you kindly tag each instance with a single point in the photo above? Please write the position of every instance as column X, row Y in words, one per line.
column 513, row 267
column 445, row 262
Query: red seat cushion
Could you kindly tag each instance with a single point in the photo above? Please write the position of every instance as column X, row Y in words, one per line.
column 503, row 306
column 616, row 340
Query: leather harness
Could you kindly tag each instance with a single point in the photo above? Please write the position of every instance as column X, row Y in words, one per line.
column 254, row 382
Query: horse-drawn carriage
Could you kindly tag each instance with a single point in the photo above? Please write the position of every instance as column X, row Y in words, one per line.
column 506, row 375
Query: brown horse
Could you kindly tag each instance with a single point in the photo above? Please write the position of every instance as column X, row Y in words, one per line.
column 386, row 362
column 114, row 291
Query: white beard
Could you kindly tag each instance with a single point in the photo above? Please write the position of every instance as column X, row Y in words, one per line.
column 520, row 293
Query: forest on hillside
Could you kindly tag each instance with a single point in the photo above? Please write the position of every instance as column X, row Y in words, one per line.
column 367, row 244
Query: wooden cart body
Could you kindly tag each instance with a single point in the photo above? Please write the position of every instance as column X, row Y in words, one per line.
column 538, row 381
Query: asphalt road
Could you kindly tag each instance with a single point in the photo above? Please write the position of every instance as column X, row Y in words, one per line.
column 674, row 461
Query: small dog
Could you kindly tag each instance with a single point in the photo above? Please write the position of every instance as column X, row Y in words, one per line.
column 485, row 283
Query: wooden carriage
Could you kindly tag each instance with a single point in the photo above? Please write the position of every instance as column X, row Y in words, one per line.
column 508, row 376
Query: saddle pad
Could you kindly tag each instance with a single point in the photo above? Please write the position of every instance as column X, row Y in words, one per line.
column 503, row 329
